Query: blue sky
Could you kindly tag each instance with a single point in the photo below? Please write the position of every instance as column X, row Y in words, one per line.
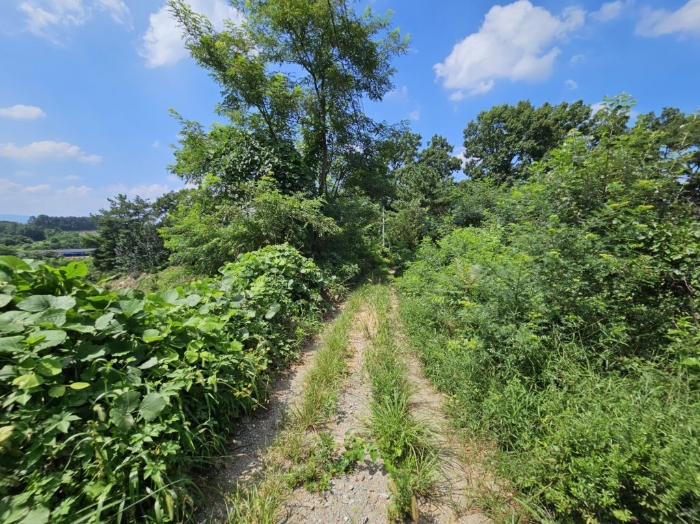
column 86, row 84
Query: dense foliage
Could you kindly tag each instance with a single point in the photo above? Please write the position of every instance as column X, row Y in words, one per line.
column 110, row 399
column 565, row 328
column 553, row 292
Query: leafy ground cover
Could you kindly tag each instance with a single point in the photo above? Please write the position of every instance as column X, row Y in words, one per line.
column 111, row 398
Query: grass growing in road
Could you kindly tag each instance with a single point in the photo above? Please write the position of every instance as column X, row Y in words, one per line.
column 406, row 444
column 299, row 456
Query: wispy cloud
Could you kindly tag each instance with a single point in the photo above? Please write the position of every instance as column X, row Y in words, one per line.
column 610, row 11
column 46, row 149
column 684, row 21
column 46, row 18
column 22, row 112
column 570, row 84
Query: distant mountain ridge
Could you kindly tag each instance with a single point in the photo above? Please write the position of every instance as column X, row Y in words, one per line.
column 15, row 218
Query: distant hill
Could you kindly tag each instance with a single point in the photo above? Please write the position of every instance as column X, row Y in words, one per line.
column 14, row 218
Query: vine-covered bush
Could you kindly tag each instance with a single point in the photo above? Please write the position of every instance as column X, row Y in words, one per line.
column 109, row 399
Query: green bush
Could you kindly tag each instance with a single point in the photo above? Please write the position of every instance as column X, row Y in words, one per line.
column 111, row 398
column 565, row 330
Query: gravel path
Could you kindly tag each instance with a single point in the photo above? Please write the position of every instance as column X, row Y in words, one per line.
column 361, row 496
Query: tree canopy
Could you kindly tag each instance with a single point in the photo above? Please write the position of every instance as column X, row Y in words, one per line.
column 503, row 141
column 298, row 71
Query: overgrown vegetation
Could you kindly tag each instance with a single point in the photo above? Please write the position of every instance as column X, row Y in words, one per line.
column 553, row 292
column 111, row 398
column 565, row 328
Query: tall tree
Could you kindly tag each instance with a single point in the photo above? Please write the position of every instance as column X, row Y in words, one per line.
column 504, row 140
column 299, row 69
column 428, row 180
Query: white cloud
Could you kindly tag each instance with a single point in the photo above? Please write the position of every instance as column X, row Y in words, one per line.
column 72, row 177
column 22, row 112
column 459, row 153
column 156, row 144
column 414, row 115
column 162, row 42
column 46, row 149
column 609, row 11
column 44, row 17
column 514, row 42
column 577, row 59
column 23, row 173
column 571, row 84
column 457, row 96
column 90, row 159
column 75, row 191
column 24, row 199
column 685, row 20
column 43, row 188
column 148, row 190
column 117, row 9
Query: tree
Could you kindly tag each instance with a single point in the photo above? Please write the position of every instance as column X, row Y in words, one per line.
column 237, row 157
column 425, row 195
column 504, row 140
column 205, row 231
column 128, row 238
column 428, row 180
column 338, row 59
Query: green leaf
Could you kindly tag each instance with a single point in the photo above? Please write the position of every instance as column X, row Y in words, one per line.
column 79, row 385
column 13, row 321
column 152, row 335
column 191, row 356
column 39, row 303
column 274, row 308
column 47, row 338
column 11, row 344
column 131, row 307
column 170, row 296
column 39, row 515
column 5, row 299
column 128, row 401
column 28, row 381
column 103, row 323
column 49, row 366
column 14, row 263
column 153, row 361
column 76, row 270
column 5, row 433
column 57, row 317
column 79, row 328
column 151, row 406
column 123, row 420
column 7, row 371
column 57, row 391
column 191, row 300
